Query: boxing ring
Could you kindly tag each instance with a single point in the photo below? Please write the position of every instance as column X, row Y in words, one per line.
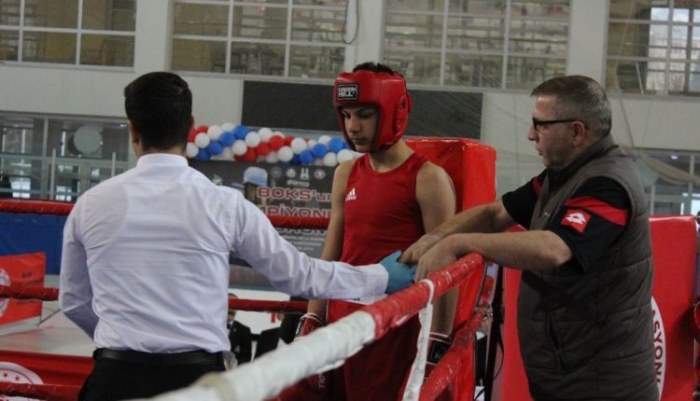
column 471, row 166
column 322, row 349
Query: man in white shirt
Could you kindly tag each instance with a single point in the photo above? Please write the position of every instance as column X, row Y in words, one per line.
column 145, row 271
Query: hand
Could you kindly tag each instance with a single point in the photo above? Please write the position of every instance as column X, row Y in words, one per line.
column 320, row 382
column 435, row 259
column 418, row 249
column 400, row 275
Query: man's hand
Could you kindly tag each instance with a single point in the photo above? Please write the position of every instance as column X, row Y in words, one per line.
column 435, row 259
column 418, row 249
column 400, row 275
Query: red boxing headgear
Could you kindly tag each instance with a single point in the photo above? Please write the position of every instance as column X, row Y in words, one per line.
column 385, row 91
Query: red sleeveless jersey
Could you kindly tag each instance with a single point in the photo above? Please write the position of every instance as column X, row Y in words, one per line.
column 382, row 214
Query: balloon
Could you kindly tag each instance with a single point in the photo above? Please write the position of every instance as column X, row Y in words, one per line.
column 227, row 126
column 202, row 129
column 345, row 155
column 285, row 154
column 239, row 147
column 310, row 144
column 306, row 157
column 192, row 135
column 298, row 145
column 203, row 155
column 295, row 159
column 263, row 149
column 330, row 160
column 250, row 155
column 240, row 131
column 214, row 132
column 265, row 134
column 335, row 145
column 227, row 138
column 227, row 153
column 252, row 139
column 214, row 148
column 191, row 150
column 202, row 140
column 276, row 142
column 324, row 139
column 288, row 140
column 319, row 150
column 272, row 157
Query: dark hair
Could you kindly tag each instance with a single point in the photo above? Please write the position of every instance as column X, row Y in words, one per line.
column 159, row 106
column 374, row 67
column 581, row 98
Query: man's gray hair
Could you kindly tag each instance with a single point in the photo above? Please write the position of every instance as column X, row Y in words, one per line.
column 581, row 98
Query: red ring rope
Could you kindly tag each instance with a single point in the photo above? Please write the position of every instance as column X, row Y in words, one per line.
column 49, row 392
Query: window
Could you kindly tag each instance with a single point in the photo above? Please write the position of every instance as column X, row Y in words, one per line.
column 60, row 158
column 73, row 32
column 654, row 47
column 477, row 43
column 285, row 38
column 674, row 188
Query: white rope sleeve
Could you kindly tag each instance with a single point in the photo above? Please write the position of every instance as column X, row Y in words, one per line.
column 415, row 378
column 267, row 376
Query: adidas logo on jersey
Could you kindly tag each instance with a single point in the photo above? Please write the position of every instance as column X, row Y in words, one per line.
column 351, row 195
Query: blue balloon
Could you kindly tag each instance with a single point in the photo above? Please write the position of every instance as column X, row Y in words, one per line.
column 295, row 159
column 214, row 148
column 240, row 131
column 203, row 154
column 227, row 138
column 319, row 150
column 335, row 145
column 306, row 157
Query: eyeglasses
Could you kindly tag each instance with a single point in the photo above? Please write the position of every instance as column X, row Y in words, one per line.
column 538, row 125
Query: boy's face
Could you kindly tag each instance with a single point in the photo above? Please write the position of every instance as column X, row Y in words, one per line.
column 361, row 125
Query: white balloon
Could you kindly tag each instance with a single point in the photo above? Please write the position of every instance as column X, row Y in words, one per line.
column 318, row 162
column 191, row 150
column 330, row 159
column 278, row 133
column 239, row 147
column 252, row 139
column 227, row 153
column 202, row 140
column 310, row 144
column 298, row 145
column 285, row 154
column 265, row 134
column 226, row 127
column 324, row 139
column 345, row 155
column 272, row 157
column 214, row 132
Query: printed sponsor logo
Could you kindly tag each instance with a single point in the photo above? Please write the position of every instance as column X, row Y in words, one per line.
column 13, row 373
column 576, row 219
column 348, row 92
column 4, row 280
column 659, row 346
column 351, row 195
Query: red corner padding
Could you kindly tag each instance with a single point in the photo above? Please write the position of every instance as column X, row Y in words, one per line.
column 21, row 270
column 674, row 248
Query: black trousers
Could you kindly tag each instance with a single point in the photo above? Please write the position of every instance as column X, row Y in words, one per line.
column 122, row 379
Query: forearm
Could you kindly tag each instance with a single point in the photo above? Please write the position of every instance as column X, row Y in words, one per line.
column 532, row 250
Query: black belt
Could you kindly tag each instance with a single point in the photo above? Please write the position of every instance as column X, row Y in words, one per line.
column 146, row 358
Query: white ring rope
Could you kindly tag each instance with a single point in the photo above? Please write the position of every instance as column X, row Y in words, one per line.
column 415, row 378
column 268, row 375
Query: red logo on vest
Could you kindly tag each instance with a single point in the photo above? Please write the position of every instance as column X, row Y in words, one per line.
column 577, row 219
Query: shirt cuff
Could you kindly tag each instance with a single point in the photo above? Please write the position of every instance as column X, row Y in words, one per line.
column 377, row 279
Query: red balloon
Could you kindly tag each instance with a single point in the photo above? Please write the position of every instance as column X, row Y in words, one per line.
column 202, row 128
column 263, row 149
column 276, row 142
column 193, row 133
column 288, row 140
column 250, row 155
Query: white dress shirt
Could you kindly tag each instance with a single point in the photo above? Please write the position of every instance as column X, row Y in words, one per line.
column 145, row 259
